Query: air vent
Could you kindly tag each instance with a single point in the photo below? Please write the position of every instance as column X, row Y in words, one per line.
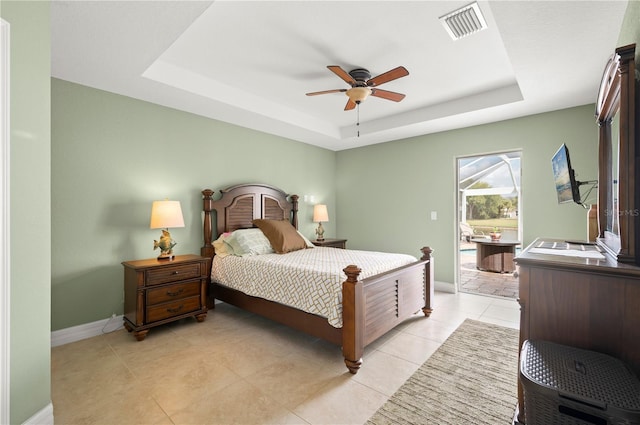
column 464, row 21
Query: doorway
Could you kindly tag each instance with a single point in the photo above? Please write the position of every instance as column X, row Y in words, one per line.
column 489, row 221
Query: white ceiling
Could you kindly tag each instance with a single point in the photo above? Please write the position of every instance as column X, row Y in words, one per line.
column 250, row 63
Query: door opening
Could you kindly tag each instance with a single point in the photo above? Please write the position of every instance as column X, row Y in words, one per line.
column 489, row 222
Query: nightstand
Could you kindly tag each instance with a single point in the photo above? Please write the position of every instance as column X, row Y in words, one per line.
column 158, row 292
column 333, row 243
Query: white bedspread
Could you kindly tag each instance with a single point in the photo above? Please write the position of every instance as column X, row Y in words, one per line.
column 309, row 279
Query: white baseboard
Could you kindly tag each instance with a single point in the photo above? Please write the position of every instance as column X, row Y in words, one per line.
column 444, row 287
column 87, row 330
column 43, row 417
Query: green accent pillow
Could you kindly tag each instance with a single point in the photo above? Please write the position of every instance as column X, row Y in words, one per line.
column 221, row 247
column 246, row 242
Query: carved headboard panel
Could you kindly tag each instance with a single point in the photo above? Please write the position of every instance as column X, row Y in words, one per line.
column 240, row 205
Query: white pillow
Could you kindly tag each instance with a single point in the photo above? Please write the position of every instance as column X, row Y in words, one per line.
column 246, row 242
column 222, row 248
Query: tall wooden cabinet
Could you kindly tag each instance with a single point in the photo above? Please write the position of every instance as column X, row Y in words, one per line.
column 580, row 302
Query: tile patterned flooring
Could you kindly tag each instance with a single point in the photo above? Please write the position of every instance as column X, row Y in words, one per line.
column 475, row 281
column 238, row 368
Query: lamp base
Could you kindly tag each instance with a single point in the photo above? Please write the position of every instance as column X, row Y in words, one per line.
column 166, row 245
column 320, row 232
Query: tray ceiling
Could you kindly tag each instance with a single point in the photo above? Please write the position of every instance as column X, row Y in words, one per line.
column 250, row 63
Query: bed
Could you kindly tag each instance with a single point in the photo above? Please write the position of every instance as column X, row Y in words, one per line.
column 369, row 306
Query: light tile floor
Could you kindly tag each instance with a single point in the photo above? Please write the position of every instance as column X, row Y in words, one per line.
column 238, row 368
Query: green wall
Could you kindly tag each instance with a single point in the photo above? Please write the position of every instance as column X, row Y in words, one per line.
column 386, row 192
column 112, row 156
column 30, row 207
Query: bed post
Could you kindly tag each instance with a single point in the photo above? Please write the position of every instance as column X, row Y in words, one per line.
column 352, row 319
column 207, row 249
column 207, row 207
column 428, row 281
column 294, row 209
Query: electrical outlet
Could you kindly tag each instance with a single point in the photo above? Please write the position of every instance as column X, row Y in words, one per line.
column 113, row 316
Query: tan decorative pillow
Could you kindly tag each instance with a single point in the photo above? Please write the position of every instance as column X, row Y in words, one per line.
column 281, row 234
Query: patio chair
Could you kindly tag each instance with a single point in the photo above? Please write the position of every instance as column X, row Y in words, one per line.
column 467, row 232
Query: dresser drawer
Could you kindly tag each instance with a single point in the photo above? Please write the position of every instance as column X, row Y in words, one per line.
column 172, row 274
column 171, row 309
column 173, row 292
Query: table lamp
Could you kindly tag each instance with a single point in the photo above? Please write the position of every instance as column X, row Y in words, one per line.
column 165, row 215
column 320, row 215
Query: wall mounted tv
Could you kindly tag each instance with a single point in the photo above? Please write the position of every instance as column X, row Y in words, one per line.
column 567, row 188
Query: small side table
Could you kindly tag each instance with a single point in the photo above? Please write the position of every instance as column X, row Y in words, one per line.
column 495, row 256
column 158, row 292
column 332, row 243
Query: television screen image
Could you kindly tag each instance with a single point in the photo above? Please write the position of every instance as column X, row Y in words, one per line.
column 564, row 177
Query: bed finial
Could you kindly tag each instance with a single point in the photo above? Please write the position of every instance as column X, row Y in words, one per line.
column 352, row 273
column 426, row 253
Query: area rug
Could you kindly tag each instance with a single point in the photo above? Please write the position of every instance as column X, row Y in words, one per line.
column 470, row 379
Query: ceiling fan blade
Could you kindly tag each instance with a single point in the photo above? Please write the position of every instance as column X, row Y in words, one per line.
column 350, row 105
column 386, row 94
column 394, row 74
column 315, row 93
column 342, row 74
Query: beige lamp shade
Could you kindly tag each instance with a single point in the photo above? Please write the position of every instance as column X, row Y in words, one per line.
column 166, row 215
column 320, row 214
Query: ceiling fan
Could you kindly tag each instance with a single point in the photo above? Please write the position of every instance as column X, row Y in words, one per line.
column 362, row 85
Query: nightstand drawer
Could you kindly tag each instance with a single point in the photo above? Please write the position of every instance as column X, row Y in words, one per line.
column 173, row 292
column 175, row 308
column 172, row 274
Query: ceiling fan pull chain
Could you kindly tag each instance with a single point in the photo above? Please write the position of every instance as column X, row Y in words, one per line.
column 358, row 118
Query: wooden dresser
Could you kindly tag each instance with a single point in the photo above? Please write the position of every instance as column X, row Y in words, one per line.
column 581, row 302
column 158, row 292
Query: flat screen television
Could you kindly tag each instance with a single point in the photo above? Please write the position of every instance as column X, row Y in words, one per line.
column 567, row 188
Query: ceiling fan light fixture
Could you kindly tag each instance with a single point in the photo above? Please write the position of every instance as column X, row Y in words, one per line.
column 464, row 21
column 358, row 94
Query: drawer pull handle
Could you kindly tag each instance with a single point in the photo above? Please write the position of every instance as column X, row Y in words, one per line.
column 176, row 272
column 173, row 294
column 175, row 310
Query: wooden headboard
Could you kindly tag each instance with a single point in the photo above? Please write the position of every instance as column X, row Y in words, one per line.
column 240, row 205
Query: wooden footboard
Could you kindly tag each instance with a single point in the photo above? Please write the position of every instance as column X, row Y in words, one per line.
column 373, row 306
